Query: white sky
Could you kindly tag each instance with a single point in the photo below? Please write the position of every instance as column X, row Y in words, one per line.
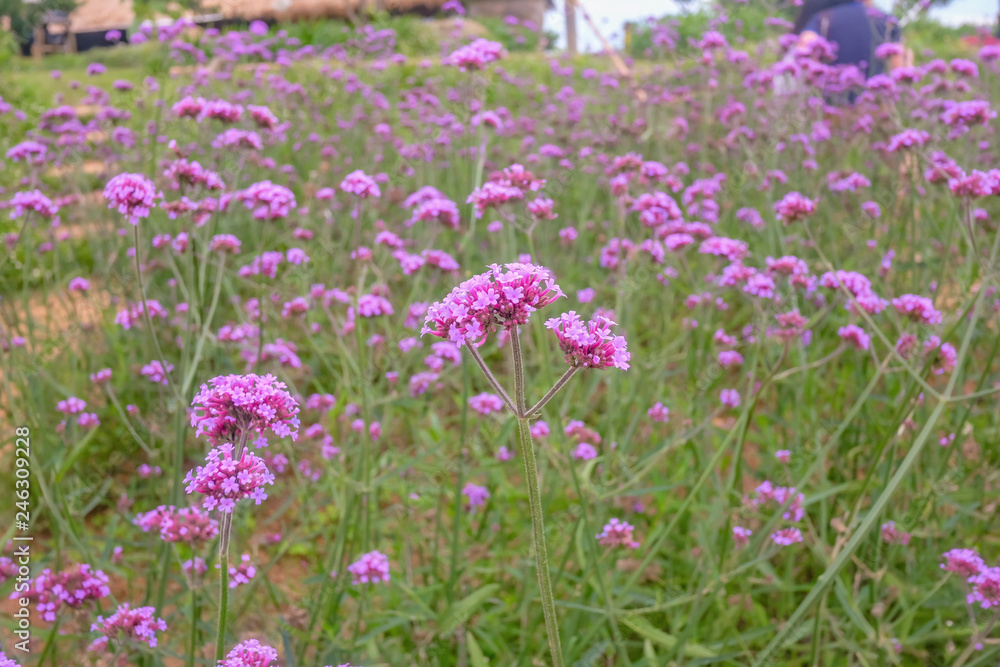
column 611, row 15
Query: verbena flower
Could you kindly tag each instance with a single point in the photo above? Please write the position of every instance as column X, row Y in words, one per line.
column 132, row 195
column 242, row 573
column 225, row 480
column 127, row 626
column 617, row 533
column 741, row 536
column 373, row 567
column 188, row 524
column 7, row 662
column 361, row 185
column 228, row 406
column 476, row 55
column 501, row 299
column 486, row 403
column 963, row 562
column 590, row 344
column 985, row 587
column 854, row 335
column 659, row 413
column 268, row 200
column 475, row 494
column 250, row 653
column 786, row 536
column 794, row 207
column 72, row 587
column 893, row 535
column 918, row 308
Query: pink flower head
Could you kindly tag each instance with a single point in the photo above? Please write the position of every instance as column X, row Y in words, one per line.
column 373, row 567
column 786, row 536
column 493, row 195
column 584, row 451
column 32, row 201
column 263, row 117
column 732, row 249
column 741, row 536
column 127, row 626
column 220, row 110
column 71, row 405
column 854, row 335
column 7, row 662
column 444, row 211
column 268, row 200
column 590, row 344
column 476, row 495
column 783, row 455
column 225, row 480
column 101, row 376
column 360, row 184
column 659, row 413
column 189, row 524
column 250, row 653
column 242, row 573
column 908, row 138
column 73, row 587
column 131, row 194
column 730, row 358
column 793, row 207
column 539, row 429
column 963, row 562
column 225, row 243
column 730, row 397
column 985, row 588
column 486, row 403
column 918, row 308
column 893, row 535
column 229, row 406
column 157, row 372
column 372, row 305
column 502, row 298
column 79, row 284
column 476, row 55
column 617, row 533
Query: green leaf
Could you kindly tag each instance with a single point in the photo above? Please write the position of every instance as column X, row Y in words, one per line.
column 459, row 613
column 476, row 657
column 645, row 629
column 74, row 454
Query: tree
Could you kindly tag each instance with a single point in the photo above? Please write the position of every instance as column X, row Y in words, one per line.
column 24, row 16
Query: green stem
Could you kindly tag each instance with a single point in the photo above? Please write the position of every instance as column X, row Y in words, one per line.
column 194, row 627
column 220, row 635
column 538, row 541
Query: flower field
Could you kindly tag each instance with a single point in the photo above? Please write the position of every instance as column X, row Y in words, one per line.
column 334, row 356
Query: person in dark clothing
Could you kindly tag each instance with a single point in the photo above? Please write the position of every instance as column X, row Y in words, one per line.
column 855, row 27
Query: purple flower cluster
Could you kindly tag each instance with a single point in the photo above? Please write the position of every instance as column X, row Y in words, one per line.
column 373, row 567
column 617, row 533
column 500, row 299
column 127, row 626
column 72, row 588
column 230, row 406
column 225, row 480
column 476, row 55
column 250, row 653
column 132, row 195
column 590, row 344
column 188, row 524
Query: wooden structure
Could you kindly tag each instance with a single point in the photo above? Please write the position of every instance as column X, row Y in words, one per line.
column 53, row 34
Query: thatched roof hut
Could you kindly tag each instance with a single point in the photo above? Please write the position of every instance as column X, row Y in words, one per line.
column 101, row 15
